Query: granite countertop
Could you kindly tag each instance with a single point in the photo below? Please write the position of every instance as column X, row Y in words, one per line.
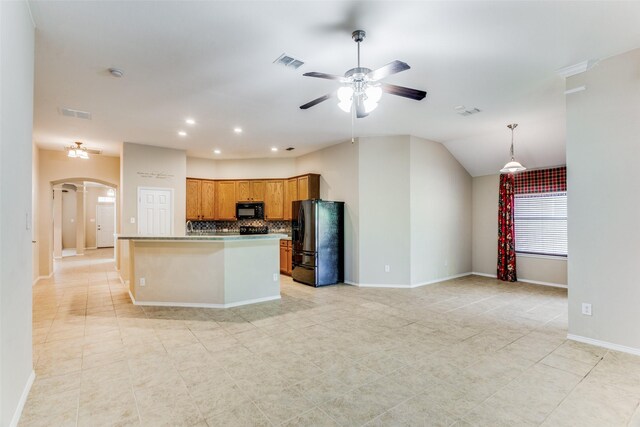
column 226, row 237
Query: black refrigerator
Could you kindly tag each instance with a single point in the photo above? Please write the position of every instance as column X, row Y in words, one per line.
column 318, row 242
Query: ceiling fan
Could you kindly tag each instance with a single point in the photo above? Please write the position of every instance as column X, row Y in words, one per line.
column 361, row 87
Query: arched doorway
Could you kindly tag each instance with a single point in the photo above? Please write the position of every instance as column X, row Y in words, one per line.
column 84, row 216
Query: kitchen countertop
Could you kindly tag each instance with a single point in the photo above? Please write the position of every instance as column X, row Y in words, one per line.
column 224, row 237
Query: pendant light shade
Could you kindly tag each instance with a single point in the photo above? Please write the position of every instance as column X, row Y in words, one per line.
column 512, row 166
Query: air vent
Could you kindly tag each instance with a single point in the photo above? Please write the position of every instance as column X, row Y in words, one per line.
column 288, row 61
column 69, row 112
column 463, row 111
column 290, row 149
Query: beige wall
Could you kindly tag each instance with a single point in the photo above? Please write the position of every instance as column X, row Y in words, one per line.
column 149, row 166
column 55, row 166
column 602, row 159
column 384, row 196
column 16, row 123
column 338, row 167
column 68, row 219
column 484, row 203
column 440, row 213
column 238, row 169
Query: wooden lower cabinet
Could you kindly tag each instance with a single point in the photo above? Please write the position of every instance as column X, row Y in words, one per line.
column 285, row 257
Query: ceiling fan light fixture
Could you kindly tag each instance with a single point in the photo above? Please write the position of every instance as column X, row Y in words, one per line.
column 345, row 94
column 374, row 93
column 345, row 106
column 369, row 105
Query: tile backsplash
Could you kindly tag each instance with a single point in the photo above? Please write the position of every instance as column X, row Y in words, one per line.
column 234, row 226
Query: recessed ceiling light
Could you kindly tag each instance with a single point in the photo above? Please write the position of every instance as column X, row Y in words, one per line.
column 274, row 149
column 237, row 130
column 182, row 133
column 190, row 121
column 216, row 151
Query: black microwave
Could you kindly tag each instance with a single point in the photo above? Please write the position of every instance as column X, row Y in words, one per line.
column 250, row 210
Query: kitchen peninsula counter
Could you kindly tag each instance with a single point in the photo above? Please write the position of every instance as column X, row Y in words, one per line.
column 217, row 270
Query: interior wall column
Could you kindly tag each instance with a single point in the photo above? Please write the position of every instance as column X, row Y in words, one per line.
column 57, row 223
column 80, row 218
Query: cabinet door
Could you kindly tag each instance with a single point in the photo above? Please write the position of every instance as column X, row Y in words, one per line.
column 225, row 200
column 289, row 257
column 283, row 257
column 274, row 199
column 257, row 191
column 193, row 199
column 207, row 200
column 290, row 194
column 303, row 188
column 309, row 187
column 243, row 191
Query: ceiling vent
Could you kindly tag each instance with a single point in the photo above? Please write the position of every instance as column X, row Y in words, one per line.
column 288, row 61
column 290, row 149
column 464, row 111
column 69, row 112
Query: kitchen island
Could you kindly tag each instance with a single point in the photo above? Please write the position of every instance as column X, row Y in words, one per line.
column 216, row 271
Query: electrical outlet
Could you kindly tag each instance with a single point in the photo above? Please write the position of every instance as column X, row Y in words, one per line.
column 387, row 268
column 275, row 277
column 586, row 309
column 143, row 282
column 132, row 220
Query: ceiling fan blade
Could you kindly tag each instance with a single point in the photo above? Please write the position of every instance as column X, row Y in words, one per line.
column 323, row 76
column 315, row 101
column 387, row 70
column 360, row 111
column 404, row 91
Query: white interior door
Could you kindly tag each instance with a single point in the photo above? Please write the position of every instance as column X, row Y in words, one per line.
column 154, row 211
column 105, row 225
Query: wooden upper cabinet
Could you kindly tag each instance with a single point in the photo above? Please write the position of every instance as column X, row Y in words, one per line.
column 243, row 191
column 225, row 201
column 309, row 187
column 274, row 199
column 257, row 191
column 193, row 199
column 250, row 191
column 207, row 200
column 290, row 194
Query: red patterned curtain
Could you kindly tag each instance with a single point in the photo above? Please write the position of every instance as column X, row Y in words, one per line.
column 541, row 181
column 506, row 230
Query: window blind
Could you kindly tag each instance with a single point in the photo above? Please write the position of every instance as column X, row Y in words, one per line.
column 541, row 223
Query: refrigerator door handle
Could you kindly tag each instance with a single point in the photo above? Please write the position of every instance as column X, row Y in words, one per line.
column 302, row 226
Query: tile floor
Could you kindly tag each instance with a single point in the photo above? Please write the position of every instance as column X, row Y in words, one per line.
column 471, row 351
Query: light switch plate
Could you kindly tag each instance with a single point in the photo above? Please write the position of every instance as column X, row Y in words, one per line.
column 586, row 309
column 132, row 220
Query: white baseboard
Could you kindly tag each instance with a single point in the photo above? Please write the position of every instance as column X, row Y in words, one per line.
column 493, row 276
column 537, row 282
column 201, row 305
column 23, row 399
column 403, row 286
column 41, row 277
column 604, row 344
column 92, row 247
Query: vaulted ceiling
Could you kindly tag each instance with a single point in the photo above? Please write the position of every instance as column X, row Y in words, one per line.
column 213, row 61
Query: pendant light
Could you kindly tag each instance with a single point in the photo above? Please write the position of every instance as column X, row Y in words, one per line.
column 513, row 166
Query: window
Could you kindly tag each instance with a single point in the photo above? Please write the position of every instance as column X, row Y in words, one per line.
column 104, row 199
column 541, row 223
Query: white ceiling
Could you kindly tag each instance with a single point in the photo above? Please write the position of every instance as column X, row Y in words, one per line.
column 213, row 61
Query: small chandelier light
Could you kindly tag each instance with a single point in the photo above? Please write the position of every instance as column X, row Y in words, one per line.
column 513, row 166
column 77, row 151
